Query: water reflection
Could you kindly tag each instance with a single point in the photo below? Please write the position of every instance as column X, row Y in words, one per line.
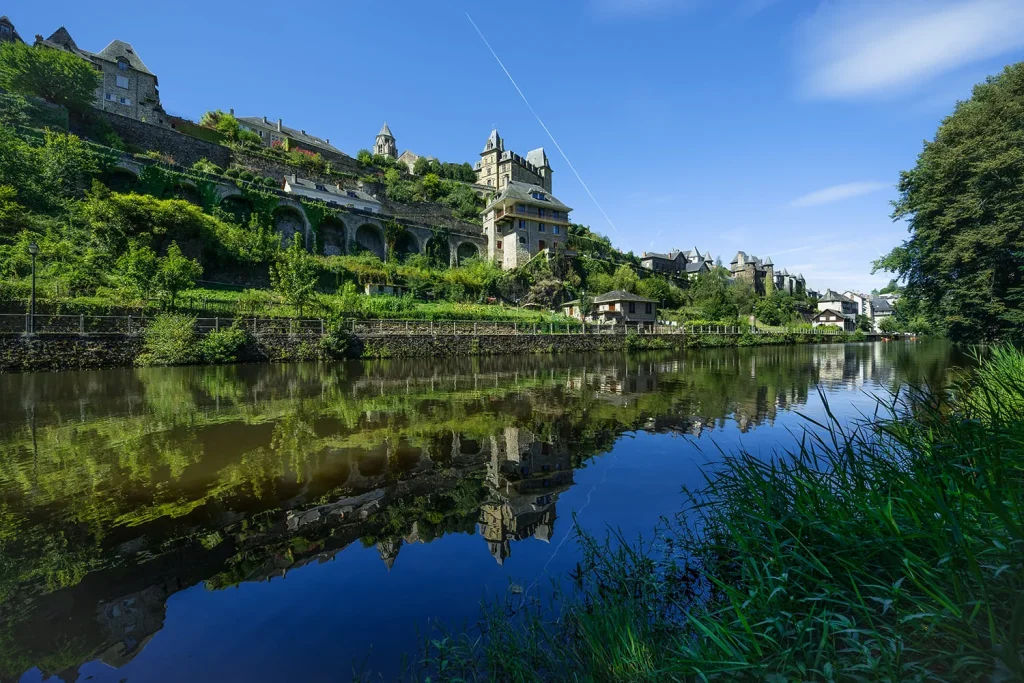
column 119, row 489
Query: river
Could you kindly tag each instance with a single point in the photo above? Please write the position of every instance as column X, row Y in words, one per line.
column 301, row 522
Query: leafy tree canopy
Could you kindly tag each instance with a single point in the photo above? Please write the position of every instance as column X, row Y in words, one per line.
column 963, row 263
column 55, row 76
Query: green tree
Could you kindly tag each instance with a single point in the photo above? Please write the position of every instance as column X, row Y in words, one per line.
column 655, row 287
column 137, row 268
column 293, row 275
column 864, row 323
column 626, row 279
column 175, row 273
column 422, row 166
column 709, row 296
column 889, row 325
column 54, row 75
column 964, row 202
column 64, row 164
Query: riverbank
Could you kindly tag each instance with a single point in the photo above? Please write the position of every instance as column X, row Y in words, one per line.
column 891, row 550
column 55, row 352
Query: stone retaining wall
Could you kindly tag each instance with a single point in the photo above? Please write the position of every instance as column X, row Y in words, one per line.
column 184, row 149
column 19, row 353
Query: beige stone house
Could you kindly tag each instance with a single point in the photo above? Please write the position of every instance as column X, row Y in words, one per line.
column 276, row 134
column 498, row 167
column 523, row 221
column 616, row 308
column 127, row 88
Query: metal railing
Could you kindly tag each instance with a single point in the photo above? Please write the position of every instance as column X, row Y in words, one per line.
column 134, row 325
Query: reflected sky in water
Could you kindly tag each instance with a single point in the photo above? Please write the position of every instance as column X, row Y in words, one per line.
column 296, row 522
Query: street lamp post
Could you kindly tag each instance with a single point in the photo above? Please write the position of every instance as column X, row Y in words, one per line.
column 33, row 249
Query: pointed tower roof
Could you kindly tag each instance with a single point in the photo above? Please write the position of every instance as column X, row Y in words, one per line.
column 538, row 158
column 768, row 261
column 707, row 256
column 493, row 141
column 63, row 38
column 385, row 131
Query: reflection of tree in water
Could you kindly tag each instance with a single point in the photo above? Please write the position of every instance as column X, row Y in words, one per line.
column 249, row 471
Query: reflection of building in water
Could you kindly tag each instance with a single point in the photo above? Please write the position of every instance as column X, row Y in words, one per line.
column 525, row 476
column 131, row 621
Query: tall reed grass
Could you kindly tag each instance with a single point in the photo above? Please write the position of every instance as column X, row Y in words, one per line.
column 890, row 550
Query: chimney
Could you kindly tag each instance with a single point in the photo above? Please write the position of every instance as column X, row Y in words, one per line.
column 279, row 125
column 303, row 132
column 265, row 120
column 231, row 111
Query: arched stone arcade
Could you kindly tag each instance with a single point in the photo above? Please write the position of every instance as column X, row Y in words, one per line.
column 370, row 237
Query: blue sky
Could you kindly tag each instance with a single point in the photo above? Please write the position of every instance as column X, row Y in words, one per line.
column 778, row 127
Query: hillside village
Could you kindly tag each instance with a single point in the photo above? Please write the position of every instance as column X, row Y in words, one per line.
column 503, row 209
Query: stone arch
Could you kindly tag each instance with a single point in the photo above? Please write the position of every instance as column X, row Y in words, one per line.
column 238, row 207
column 186, row 191
column 370, row 237
column 289, row 222
column 332, row 236
column 373, row 463
column 466, row 250
column 121, row 179
column 437, row 249
column 406, row 245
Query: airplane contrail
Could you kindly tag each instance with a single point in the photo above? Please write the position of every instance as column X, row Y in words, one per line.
column 541, row 122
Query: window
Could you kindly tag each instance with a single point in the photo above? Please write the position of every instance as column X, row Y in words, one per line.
column 554, row 229
column 125, row 100
column 611, row 307
column 520, row 208
column 108, row 97
column 499, row 244
column 540, row 212
column 542, row 245
column 122, row 65
column 522, row 225
column 632, row 307
column 5, row 30
column 321, row 187
column 260, row 132
column 122, row 82
column 649, row 309
column 522, row 239
column 541, row 227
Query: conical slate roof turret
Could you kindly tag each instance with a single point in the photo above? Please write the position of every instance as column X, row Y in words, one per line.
column 385, row 131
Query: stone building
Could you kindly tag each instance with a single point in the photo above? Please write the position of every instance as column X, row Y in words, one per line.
column 497, row 167
column 332, row 195
column 752, row 269
column 276, row 134
column 127, row 88
column 385, row 144
column 795, row 285
column 8, row 34
column 616, row 308
column 678, row 263
column 837, row 310
column 523, row 221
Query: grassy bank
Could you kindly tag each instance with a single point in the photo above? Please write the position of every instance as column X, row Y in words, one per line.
column 892, row 550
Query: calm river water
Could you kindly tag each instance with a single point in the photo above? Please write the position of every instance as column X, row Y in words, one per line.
column 297, row 522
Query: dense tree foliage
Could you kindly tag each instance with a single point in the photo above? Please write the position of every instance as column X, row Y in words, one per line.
column 963, row 263
column 54, row 75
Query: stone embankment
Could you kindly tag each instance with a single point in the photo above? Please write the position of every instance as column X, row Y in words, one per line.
column 52, row 352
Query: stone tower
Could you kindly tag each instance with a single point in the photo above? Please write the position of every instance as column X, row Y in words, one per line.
column 769, row 276
column 386, row 144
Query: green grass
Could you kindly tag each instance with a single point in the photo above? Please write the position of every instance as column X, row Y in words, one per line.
column 892, row 550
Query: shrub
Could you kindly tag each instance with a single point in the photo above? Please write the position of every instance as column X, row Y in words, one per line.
column 170, row 339
column 335, row 344
column 231, row 173
column 207, row 166
column 246, row 175
column 224, row 346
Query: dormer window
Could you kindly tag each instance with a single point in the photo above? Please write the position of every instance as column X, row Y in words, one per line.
column 122, row 65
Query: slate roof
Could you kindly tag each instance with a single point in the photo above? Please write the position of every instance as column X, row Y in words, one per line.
column 297, row 135
column 118, row 49
column 881, row 305
column 620, row 295
column 831, row 295
column 524, row 192
column 334, row 190
column 695, row 267
column 537, row 157
column 14, row 32
column 385, row 131
column 493, row 141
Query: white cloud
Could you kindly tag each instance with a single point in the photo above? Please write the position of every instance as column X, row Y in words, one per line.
column 878, row 46
column 837, row 193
